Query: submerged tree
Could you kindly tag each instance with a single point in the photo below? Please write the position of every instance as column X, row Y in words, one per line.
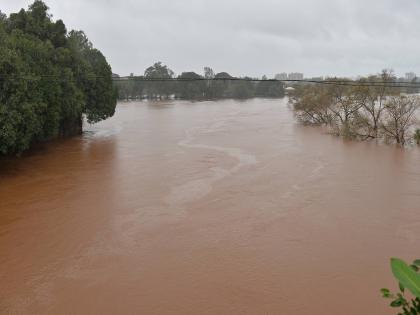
column 312, row 105
column 372, row 96
column 269, row 88
column 366, row 110
column 160, row 82
column 159, row 89
column 417, row 136
column 95, row 79
column 400, row 117
column 242, row 89
column 209, row 91
column 49, row 80
column 190, row 86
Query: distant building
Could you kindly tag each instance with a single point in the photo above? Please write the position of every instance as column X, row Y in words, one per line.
column 410, row 76
column 281, row 76
column 295, row 76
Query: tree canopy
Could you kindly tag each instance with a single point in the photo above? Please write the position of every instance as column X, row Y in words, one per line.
column 49, row 79
column 193, row 86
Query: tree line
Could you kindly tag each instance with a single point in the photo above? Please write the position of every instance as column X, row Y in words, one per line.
column 366, row 110
column 49, row 80
column 137, row 87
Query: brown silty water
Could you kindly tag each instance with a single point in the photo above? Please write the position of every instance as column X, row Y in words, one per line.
column 224, row 207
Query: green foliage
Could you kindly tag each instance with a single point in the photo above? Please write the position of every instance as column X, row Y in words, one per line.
column 417, row 136
column 269, row 88
column 408, row 278
column 192, row 86
column 406, row 275
column 190, row 89
column 156, row 89
column 243, row 89
column 48, row 80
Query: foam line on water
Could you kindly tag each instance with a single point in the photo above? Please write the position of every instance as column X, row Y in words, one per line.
column 198, row 188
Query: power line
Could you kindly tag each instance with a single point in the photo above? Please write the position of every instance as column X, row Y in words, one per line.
column 330, row 81
column 326, row 82
column 340, row 82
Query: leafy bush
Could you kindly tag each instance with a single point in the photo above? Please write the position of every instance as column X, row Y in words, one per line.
column 408, row 278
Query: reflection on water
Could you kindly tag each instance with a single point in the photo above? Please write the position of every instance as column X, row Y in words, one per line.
column 205, row 208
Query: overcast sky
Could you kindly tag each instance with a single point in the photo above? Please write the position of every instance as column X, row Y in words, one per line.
column 248, row 37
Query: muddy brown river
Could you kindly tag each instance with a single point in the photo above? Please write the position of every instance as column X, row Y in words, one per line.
column 225, row 207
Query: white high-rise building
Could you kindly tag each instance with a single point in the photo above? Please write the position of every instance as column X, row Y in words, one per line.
column 295, row 76
column 281, row 76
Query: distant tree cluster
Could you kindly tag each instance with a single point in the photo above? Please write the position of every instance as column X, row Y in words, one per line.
column 362, row 111
column 49, row 79
column 137, row 87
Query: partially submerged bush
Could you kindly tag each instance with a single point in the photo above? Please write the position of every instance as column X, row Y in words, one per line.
column 359, row 111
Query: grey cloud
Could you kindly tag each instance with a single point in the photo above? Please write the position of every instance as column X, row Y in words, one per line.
column 317, row 37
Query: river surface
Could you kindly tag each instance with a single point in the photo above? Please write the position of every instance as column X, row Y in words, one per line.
column 225, row 207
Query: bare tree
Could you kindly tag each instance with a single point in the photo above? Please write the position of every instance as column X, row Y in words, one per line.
column 311, row 104
column 399, row 117
column 372, row 100
column 364, row 110
column 345, row 108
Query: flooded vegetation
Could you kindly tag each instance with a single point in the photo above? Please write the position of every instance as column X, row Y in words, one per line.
column 167, row 187
column 377, row 107
column 50, row 80
column 160, row 82
column 226, row 207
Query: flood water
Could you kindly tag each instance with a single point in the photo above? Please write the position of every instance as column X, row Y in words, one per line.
column 224, row 207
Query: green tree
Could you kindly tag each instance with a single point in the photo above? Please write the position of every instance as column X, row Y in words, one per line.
column 242, row 89
column 222, row 84
column 159, row 89
column 209, row 91
column 190, row 86
column 49, row 80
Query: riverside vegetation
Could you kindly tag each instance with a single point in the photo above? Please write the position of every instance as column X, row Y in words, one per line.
column 193, row 86
column 360, row 111
column 50, row 79
column 408, row 278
